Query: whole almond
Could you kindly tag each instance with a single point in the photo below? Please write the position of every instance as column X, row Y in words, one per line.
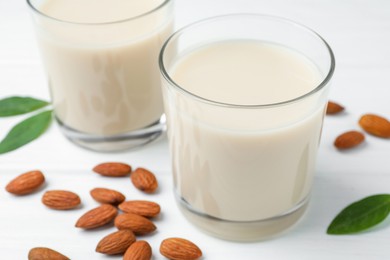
column 44, row 253
column 144, row 180
column 97, row 217
column 116, row 243
column 112, row 169
column 179, row 249
column 375, row 125
column 139, row 250
column 61, row 199
column 26, row 183
column 138, row 224
column 144, row 208
column 107, row 196
column 349, row 140
column 333, row 108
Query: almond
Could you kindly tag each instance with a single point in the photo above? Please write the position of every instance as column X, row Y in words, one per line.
column 113, row 169
column 116, row 243
column 60, row 199
column 333, row 108
column 97, row 217
column 44, row 253
column 144, row 180
column 107, row 196
column 144, row 208
column 26, row 183
column 375, row 125
column 138, row 224
column 349, row 140
column 179, row 249
column 139, row 250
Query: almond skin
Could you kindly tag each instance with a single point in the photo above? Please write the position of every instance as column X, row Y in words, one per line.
column 375, row 125
column 138, row 224
column 143, row 208
column 116, row 243
column 107, row 196
column 349, row 140
column 112, row 169
column 140, row 250
column 333, row 108
column 97, row 217
column 179, row 249
column 44, row 253
column 144, row 180
column 61, row 199
column 26, row 183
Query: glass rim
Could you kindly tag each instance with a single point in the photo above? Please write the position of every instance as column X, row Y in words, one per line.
column 179, row 32
column 153, row 10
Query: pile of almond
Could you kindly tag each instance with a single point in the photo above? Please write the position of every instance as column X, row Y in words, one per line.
column 372, row 124
column 132, row 218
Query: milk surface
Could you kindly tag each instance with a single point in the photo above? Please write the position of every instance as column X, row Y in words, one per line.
column 243, row 163
column 102, row 67
column 97, row 11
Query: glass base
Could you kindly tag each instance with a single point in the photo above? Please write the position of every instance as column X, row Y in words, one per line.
column 114, row 143
column 244, row 231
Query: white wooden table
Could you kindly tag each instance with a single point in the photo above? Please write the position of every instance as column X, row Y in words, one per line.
column 359, row 33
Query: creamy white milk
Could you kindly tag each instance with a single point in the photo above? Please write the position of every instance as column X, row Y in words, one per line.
column 104, row 77
column 242, row 163
column 246, row 73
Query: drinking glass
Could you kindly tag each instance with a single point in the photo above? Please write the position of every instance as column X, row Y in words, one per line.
column 243, row 171
column 102, row 68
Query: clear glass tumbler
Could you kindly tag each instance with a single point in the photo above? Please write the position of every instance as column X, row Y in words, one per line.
column 101, row 59
column 244, row 97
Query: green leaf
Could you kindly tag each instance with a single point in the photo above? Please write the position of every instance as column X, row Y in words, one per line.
column 26, row 131
column 361, row 215
column 12, row 106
